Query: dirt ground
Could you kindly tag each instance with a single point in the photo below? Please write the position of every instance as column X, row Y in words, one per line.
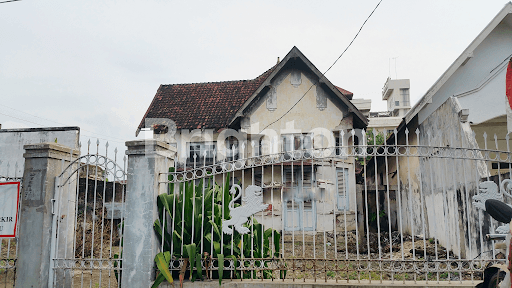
column 7, row 256
column 92, row 278
column 300, row 251
column 347, row 250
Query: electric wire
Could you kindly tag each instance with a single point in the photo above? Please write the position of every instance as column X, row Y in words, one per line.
column 9, row 1
column 83, row 134
column 110, row 137
column 508, row 58
column 487, row 78
column 323, row 74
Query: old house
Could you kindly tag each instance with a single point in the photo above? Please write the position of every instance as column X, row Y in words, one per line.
column 290, row 107
column 468, row 99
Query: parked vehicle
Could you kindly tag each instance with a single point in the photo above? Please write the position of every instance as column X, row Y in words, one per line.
column 497, row 275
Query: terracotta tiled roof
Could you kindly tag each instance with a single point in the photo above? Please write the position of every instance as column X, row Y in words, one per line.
column 202, row 105
column 208, row 105
column 346, row 93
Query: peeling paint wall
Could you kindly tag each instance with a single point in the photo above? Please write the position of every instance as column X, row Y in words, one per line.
column 439, row 189
column 315, row 110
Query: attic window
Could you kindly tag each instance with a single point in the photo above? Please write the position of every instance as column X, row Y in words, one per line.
column 295, row 78
column 272, row 99
column 321, row 98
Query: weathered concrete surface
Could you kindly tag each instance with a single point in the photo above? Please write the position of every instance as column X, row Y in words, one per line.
column 438, row 190
column 146, row 160
column 42, row 165
column 12, row 141
column 312, row 284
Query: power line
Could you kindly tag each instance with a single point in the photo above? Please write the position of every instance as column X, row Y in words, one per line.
column 20, row 119
column 9, row 1
column 323, row 74
column 55, row 122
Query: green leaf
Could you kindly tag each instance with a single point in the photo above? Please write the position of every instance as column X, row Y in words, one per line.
column 216, row 247
column 199, row 267
column 163, row 265
column 186, row 207
column 191, row 251
column 277, row 243
column 215, row 228
column 116, row 272
column 167, row 236
column 220, row 260
column 226, row 197
column 177, row 235
column 208, row 237
column 170, row 178
column 234, row 260
column 227, row 248
column 266, row 242
column 159, row 279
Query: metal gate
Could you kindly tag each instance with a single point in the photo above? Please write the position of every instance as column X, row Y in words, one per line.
column 391, row 212
column 87, row 229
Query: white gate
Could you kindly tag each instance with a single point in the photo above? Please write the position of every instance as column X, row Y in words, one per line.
column 88, row 212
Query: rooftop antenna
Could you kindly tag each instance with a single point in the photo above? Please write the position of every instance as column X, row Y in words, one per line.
column 396, row 75
column 389, row 68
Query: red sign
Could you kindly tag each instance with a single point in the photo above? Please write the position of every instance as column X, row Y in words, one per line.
column 9, row 203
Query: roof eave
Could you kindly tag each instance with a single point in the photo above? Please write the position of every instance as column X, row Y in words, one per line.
column 147, row 111
column 427, row 98
column 295, row 52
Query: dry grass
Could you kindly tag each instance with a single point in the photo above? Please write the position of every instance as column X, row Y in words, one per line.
column 7, row 258
column 95, row 234
column 313, row 257
column 7, row 278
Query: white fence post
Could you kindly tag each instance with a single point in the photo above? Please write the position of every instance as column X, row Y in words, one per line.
column 146, row 160
column 43, row 163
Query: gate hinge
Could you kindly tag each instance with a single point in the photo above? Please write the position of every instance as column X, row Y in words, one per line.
column 53, row 206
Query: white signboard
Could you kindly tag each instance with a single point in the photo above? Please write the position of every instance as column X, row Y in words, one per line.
column 9, row 200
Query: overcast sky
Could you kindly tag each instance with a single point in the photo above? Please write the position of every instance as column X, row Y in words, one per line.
column 98, row 64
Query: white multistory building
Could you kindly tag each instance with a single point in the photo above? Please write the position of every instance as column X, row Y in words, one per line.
column 397, row 93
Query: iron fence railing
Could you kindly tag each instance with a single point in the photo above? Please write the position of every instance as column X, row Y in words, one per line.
column 348, row 213
column 89, row 210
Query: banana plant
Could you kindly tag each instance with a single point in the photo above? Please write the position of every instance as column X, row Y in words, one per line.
column 203, row 207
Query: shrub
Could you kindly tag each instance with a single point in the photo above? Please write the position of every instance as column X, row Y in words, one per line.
column 203, row 207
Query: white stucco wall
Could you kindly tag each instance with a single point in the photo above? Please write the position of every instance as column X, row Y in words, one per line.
column 13, row 140
column 488, row 56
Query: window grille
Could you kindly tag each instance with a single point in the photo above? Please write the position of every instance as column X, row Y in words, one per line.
column 342, row 188
column 199, row 149
column 404, row 93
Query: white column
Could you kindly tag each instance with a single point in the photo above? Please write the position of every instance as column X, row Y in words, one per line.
column 146, row 160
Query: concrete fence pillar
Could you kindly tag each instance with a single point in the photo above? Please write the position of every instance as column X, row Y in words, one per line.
column 43, row 162
column 146, row 160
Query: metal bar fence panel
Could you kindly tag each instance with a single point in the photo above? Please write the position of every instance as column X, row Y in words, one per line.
column 394, row 213
column 88, row 220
